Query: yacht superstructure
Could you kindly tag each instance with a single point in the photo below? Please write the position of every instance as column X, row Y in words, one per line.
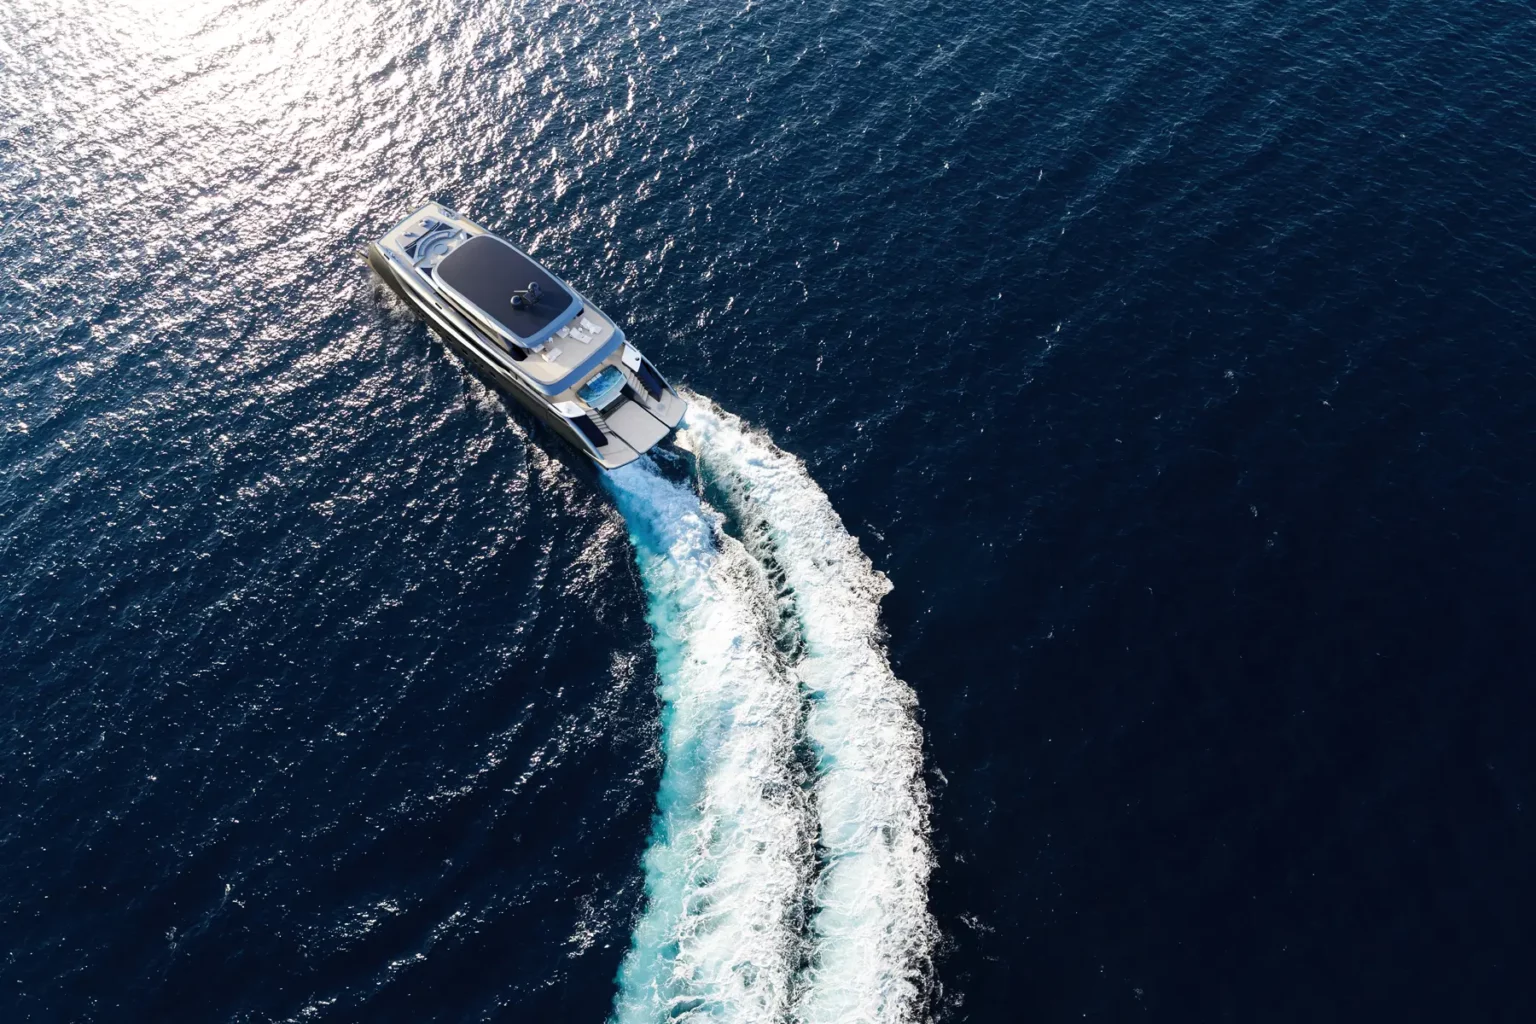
column 530, row 334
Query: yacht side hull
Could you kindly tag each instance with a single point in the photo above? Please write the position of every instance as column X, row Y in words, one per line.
column 503, row 382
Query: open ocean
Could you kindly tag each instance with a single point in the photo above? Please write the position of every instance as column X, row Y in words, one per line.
column 1102, row 586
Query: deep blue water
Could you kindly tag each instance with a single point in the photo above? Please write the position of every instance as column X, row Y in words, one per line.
column 1174, row 361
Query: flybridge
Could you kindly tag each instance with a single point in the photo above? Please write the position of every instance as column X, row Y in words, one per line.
column 495, row 283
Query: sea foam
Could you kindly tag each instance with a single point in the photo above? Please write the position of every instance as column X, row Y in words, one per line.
column 721, row 935
column 871, row 935
column 763, row 643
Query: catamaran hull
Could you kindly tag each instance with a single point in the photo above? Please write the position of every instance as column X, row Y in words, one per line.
column 492, row 375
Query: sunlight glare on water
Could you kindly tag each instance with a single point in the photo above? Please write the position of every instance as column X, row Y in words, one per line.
column 1171, row 363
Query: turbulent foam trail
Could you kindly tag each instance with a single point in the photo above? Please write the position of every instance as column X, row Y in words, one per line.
column 721, row 935
column 871, row 934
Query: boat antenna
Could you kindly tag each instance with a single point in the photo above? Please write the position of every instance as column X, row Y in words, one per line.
column 525, row 297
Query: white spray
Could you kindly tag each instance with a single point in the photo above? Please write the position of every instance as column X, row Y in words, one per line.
column 720, row 938
column 864, row 955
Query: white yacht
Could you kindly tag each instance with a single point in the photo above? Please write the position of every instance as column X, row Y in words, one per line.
column 530, row 333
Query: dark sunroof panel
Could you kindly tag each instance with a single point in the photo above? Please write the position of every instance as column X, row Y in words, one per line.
column 486, row 271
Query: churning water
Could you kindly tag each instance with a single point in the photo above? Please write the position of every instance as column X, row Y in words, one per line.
column 767, row 640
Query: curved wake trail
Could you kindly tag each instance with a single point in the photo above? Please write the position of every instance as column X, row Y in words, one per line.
column 743, row 839
column 720, row 938
column 871, row 934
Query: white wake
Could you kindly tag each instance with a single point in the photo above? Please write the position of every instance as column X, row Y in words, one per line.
column 720, row 938
column 741, row 951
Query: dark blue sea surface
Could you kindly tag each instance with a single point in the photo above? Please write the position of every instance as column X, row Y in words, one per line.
column 1173, row 360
